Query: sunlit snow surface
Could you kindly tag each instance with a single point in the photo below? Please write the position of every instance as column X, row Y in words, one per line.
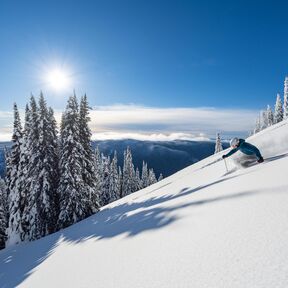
column 201, row 227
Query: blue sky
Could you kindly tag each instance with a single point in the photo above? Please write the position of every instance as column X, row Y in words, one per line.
column 164, row 54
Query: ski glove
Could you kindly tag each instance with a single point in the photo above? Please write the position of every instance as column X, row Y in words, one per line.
column 224, row 156
column 260, row 160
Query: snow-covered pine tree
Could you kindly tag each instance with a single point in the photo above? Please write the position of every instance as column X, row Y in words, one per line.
column 89, row 169
column 8, row 167
column 285, row 107
column 278, row 114
column 114, row 185
column 125, row 175
column 7, row 174
column 61, row 132
column 128, row 184
column 152, row 177
column 137, row 180
column 257, row 125
column 35, row 178
column 120, row 182
column 105, row 189
column 263, row 120
column 23, row 176
column 84, row 119
column 270, row 116
column 15, row 150
column 55, row 143
column 160, row 177
column 54, row 146
column 45, row 177
column 98, row 160
column 218, row 144
column 98, row 173
column 14, row 229
column 37, row 200
column 3, row 213
column 145, row 176
column 74, row 201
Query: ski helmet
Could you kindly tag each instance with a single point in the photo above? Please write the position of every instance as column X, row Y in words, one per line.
column 234, row 141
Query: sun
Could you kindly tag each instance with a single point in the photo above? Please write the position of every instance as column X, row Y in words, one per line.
column 58, row 79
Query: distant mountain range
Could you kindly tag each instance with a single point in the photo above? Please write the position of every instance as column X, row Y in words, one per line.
column 166, row 157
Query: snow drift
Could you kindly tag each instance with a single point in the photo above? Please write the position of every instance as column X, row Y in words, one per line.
column 201, row 227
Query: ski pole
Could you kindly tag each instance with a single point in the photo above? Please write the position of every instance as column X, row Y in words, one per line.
column 225, row 165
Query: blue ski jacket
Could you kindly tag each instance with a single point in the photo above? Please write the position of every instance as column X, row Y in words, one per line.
column 245, row 148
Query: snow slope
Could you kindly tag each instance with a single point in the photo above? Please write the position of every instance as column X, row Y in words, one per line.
column 201, row 227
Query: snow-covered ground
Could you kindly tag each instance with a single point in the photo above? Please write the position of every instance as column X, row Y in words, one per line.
column 201, row 227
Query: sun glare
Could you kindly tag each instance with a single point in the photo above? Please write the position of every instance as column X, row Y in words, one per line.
column 58, row 79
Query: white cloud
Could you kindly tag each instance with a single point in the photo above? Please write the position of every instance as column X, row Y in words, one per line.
column 149, row 137
column 170, row 120
column 152, row 123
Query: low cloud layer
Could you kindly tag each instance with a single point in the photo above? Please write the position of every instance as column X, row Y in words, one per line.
column 150, row 123
column 149, row 136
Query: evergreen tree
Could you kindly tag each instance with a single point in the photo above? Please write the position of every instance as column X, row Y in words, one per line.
column 45, row 177
column 98, row 174
column 285, row 115
column 120, row 182
column 257, row 126
column 24, row 177
column 145, row 176
column 270, row 116
column 84, row 119
column 33, row 156
column 54, row 144
column 75, row 202
column 137, row 180
column 128, row 184
column 89, row 169
column 218, row 144
column 152, row 177
column 61, row 132
column 114, row 185
column 8, row 169
column 263, row 120
column 105, row 189
column 14, row 222
column 3, row 213
column 160, row 177
column 39, row 213
column 278, row 115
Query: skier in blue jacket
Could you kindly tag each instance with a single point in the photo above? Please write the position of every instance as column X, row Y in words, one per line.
column 244, row 147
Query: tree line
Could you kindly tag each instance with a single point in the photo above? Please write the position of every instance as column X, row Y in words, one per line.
column 53, row 181
column 269, row 116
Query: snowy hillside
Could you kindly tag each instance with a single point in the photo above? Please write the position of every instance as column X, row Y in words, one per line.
column 201, row 227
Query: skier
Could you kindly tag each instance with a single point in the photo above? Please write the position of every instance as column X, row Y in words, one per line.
column 244, row 147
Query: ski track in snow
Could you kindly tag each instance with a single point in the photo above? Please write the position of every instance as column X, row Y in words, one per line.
column 201, row 227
